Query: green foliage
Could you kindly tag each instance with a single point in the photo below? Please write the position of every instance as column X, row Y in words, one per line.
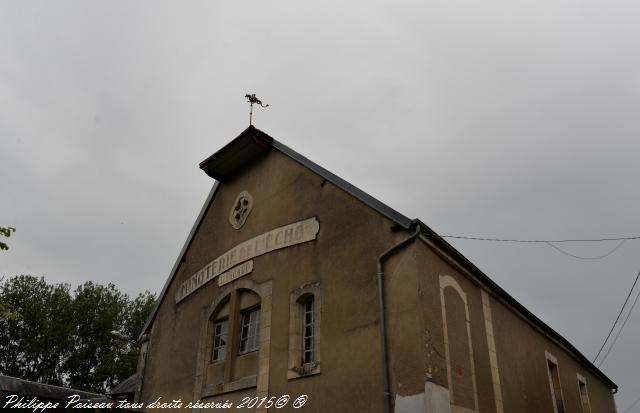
column 51, row 335
column 6, row 232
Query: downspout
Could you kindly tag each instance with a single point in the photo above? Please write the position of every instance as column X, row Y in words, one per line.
column 383, row 332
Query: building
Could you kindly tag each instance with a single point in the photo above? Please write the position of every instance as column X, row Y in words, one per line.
column 19, row 394
column 277, row 292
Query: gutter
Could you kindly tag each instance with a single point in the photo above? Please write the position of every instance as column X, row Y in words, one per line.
column 383, row 332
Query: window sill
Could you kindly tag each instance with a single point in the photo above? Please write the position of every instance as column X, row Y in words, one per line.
column 306, row 370
column 240, row 384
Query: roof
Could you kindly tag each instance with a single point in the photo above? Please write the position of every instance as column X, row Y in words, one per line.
column 129, row 385
column 23, row 387
column 252, row 144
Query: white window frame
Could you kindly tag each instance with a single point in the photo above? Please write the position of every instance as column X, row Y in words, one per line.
column 249, row 319
column 298, row 365
column 308, row 330
column 217, row 339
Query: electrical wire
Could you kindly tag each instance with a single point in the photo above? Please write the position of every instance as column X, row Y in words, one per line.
column 540, row 240
column 633, row 405
column 586, row 258
column 617, row 318
column 613, row 343
column 551, row 244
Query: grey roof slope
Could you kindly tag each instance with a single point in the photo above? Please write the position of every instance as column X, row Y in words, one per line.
column 252, row 143
column 9, row 384
column 129, row 385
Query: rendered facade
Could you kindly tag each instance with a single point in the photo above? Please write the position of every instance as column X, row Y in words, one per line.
column 277, row 292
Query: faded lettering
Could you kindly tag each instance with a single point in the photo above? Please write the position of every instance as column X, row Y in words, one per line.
column 286, row 236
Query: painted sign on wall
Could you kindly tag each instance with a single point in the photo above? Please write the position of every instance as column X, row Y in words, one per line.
column 282, row 237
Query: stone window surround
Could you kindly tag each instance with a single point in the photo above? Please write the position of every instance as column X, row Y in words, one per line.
column 550, row 358
column 261, row 380
column 296, row 368
column 583, row 382
column 493, row 354
column 447, row 281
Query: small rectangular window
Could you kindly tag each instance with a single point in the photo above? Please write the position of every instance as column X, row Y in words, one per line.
column 220, row 331
column 556, row 389
column 250, row 331
column 307, row 332
column 584, row 395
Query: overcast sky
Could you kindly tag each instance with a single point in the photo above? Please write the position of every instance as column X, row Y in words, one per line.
column 499, row 118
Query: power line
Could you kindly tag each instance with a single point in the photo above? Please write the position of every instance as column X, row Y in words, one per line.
column 613, row 343
column 618, row 317
column 632, row 406
column 541, row 241
column 552, row 242
column 586, row 258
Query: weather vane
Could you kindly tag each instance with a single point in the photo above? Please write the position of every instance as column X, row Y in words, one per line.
column 253, row 99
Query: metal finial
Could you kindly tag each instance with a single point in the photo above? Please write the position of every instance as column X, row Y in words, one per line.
column 253, row 99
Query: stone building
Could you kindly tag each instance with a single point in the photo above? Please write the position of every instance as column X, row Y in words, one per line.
column 294, row 282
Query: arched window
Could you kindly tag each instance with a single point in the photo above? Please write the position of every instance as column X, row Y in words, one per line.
column 304, row 331
column 220, row 332
column 458, row 347
column 235, row 340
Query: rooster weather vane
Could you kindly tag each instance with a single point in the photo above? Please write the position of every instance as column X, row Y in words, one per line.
column 253, row 99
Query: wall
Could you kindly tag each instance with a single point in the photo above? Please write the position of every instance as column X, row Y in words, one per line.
column 342, row 261
column 519, row 347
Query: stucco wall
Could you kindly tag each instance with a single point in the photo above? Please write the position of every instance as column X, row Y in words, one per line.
column 520, row 349
column 342, row 260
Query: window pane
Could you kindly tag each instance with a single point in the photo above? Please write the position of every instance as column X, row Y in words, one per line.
column 307, row 331
column 250, row 331
column 219, row 340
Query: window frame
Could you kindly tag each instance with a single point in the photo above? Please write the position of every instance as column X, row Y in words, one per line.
column 308, row 347
column 299, row 365
column 212, row 379
column 254, row 324
column 222, row 322
column 554, row 369
column 584, row 397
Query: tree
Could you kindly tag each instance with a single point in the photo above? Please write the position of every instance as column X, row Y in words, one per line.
column 138, row 311
column 6, row 232
column 95, row 353
column 55, row 336
column 34, row 341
